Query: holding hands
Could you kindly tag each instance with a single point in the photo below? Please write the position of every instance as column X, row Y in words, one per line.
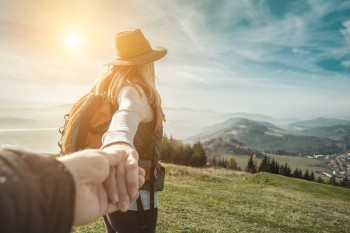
column 104, row 182
column 125, row 179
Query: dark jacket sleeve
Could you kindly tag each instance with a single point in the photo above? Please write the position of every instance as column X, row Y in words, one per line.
column 37, row 194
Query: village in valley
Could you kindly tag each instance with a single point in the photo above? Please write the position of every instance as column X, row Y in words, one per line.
column 339, row 164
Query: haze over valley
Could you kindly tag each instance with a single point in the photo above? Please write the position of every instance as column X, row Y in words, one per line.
column 37, row 128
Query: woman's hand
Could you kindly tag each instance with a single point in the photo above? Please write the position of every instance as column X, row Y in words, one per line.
column 127, row 176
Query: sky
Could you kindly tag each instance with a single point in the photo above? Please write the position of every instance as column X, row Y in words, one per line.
column 272, row 57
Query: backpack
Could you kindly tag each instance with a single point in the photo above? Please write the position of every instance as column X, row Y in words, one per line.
column 84, row 126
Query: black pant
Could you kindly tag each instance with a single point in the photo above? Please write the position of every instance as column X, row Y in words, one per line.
column 130, row 222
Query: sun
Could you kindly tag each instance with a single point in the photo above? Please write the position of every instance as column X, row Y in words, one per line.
column 73, row 40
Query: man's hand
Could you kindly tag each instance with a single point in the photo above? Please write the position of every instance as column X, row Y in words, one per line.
column 90, row 168
column 128, row 175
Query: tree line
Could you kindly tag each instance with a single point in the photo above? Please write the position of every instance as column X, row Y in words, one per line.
column 271, row 166
column 176, row 152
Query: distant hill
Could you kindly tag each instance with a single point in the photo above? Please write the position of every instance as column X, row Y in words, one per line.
column 265, row 136
column 14, row 122
column 242, row 123
column 185, row 122
column 281, row 122
column 236, row 126
column 228, row 146
column 317, row 122
column 335, row 129
column 336, row 132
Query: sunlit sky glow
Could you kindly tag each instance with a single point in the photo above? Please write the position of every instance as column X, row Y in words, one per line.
column 278, row 58
column 72, row 40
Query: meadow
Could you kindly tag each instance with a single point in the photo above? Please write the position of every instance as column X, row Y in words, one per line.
column 218, row 200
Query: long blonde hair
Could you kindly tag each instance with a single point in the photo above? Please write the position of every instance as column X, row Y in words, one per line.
column 110, row 83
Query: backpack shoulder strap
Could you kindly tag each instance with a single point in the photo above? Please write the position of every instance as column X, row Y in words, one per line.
column 151, row 191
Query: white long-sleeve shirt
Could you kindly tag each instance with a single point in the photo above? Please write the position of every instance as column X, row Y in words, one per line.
column 134, row 108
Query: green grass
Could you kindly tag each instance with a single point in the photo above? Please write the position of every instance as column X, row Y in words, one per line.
column 210, row 200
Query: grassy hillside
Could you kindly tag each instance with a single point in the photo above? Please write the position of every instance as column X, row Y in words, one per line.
column 209, row 200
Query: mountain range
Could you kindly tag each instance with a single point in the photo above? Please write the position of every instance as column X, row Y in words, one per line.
column 311, row 138
column 317, row 122
column 255, row 130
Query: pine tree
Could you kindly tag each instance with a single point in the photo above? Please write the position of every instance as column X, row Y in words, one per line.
column 306, row 175
column 282, row 170
column 300, row 174
column 188, row 152
column 295, row 173
column 272, row 166
column 264, row 164
column 251, row 165
column 199, row 159
column 320, row 180
column 288, row 170
column 277, row 168
column 255, row 163
column 312, row 176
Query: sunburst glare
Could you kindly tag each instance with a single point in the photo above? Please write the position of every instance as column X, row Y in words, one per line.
column 73, row 40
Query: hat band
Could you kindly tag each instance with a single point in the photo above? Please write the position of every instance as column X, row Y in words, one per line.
column 131, row 57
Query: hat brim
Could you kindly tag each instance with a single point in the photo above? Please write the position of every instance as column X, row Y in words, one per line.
column 156, row 54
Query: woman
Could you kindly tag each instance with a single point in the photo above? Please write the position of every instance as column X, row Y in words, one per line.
column 137, row 125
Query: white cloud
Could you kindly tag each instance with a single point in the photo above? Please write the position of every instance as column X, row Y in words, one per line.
column 346, row 31
column 346, row 64
column 300, row 51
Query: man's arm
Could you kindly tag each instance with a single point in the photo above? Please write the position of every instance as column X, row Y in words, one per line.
column 37, row 193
